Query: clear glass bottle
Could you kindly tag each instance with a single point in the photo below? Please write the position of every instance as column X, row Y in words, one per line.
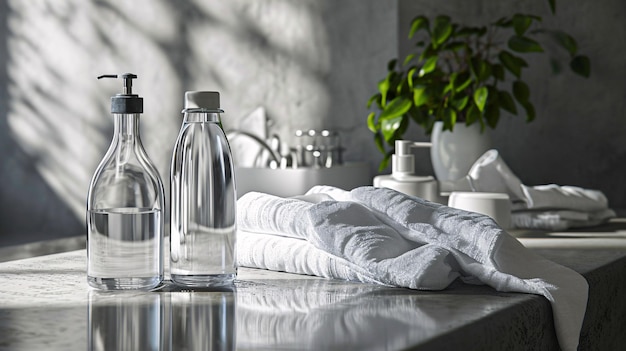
column 125, row 206
column 203, row 225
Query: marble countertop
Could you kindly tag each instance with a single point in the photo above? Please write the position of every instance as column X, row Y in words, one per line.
column 45, row 302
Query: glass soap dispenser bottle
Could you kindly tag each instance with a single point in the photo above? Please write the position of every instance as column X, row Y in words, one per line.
column 125, row 206
column 203, row 225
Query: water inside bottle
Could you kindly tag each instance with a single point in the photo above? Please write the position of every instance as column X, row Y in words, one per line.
column 203, row 254
column 124, row 248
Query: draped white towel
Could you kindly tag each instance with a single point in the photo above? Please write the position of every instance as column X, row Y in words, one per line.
column 385, row 237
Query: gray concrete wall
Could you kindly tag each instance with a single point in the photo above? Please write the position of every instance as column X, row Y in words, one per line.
column 310, row 64
column 579, row 136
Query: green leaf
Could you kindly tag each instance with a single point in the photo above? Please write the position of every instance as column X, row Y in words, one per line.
column 555, row 65
column 530, row 111
column 480, row 97
column 427, row 53
column 403, row 87
column 389, row 126
column 521, row 23
column 383, row 87
column 420, row 96
column 397, row 107
column 504, row 22
column 521, row 92
column 385, row 162
column 512, row 63
column 409, row 76
column 462, row 82
column 372, row 99
column 450, row 86
column 492, row 115
column 419, row 22
column 408, row 59
column 524, row 44
column 404, row 125
column 459, row 104
column 455, row 46
column 429, row 65
column 481, row 68
column 441, row 31
column 581, row 65
column 371, row 122
column 418, row 116
column 566, row 41
column 391, row 65
column 449, row 119
column 378, row 140
column 506, row 101
column 472, row 115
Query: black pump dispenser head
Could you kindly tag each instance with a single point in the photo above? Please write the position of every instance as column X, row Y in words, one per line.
column 126, row 102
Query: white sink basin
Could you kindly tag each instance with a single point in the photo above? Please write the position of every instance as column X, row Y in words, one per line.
column 291, row 182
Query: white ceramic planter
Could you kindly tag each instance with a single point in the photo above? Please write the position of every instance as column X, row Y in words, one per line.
column 454, row 153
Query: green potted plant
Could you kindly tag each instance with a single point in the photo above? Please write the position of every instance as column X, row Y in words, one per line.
column 463, row 74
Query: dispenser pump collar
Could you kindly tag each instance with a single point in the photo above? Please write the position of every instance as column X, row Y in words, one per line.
column 126, row 102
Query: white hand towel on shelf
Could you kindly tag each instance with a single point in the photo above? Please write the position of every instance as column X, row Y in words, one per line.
column 534, row 206
column 559, row 219
column 385, row 237
column 573, row 198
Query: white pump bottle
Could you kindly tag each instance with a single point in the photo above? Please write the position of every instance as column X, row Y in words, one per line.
column 403, row 178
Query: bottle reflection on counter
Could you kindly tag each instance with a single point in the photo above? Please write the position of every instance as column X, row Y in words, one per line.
column 124, row 321
column 165, row 321
column 202, row 321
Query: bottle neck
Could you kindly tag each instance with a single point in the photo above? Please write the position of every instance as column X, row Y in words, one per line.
column 126, row 126
column 200, row 117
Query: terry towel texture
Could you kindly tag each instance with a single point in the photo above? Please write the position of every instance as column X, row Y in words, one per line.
column 550, row 207
column 385, row 237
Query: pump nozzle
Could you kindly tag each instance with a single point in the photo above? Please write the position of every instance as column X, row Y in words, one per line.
column 128, row 81
column 126, row 102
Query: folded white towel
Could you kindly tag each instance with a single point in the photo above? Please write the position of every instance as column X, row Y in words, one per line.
column 350, row 234
column 382, row 236
column 559, row 219
column 573, row 198
column 491, row 174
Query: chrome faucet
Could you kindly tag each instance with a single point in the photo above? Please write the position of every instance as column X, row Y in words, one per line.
column 317, row 149
column 275, row 158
